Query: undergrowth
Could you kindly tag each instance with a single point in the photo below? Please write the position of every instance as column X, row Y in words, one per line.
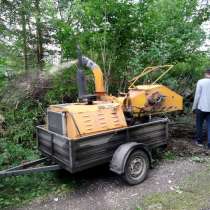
column 16, row 191
column 169, row 155
column 18, row 143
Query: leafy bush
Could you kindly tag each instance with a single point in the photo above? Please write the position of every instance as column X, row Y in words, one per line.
column 16, row 191
column 64, row 88
column 13, row 154
column 18, row 144
column 20, row 123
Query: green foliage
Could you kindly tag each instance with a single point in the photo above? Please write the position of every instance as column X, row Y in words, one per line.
column 18, row 144
column 169, row 33
column 64, row 88
column 169, row 155
column 103, row 31
column 198, row 159
column 13, row 154
column 152, row 32
column 20, row 123
column 16, row 191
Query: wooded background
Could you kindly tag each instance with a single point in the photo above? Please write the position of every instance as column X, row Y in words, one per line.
column 121, row 36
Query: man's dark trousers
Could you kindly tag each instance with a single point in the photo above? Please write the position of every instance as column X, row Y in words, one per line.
column 200, row 118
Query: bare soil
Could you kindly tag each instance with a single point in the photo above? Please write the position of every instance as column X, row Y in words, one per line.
column 99, row 189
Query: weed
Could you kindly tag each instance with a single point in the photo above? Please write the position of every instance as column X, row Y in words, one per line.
column 15, row 191
column 169, row 155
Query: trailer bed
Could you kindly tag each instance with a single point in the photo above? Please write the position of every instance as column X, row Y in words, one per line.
column 90, row 151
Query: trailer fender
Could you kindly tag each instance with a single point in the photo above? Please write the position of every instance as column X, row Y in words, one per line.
column 122, row 153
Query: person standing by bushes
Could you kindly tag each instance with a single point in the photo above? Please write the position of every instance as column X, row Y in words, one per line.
column 201, row 107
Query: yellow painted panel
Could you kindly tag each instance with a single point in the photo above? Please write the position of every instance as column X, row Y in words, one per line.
column 84, row 120
column 140, row 103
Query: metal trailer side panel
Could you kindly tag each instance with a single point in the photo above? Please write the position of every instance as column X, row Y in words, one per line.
column 98, row 149
column 90, row 151
column 55, row 146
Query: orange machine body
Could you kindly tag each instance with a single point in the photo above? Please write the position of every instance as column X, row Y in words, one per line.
column 83, row 120
column 152, row 99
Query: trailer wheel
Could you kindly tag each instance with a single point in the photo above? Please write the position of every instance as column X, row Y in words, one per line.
column 136, row 167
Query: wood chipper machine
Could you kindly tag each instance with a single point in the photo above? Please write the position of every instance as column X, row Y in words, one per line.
column 101, row 128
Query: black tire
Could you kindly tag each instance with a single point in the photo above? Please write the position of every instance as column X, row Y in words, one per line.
column 131, row 176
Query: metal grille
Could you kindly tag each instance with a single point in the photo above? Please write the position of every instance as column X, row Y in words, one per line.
column 57, row 122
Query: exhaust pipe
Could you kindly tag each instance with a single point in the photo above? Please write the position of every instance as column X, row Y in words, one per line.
column 98, row 75
column 81, row 82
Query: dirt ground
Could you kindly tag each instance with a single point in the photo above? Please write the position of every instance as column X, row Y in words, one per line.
column 101, row 189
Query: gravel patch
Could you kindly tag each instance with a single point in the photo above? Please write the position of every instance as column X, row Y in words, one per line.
column 100, row 189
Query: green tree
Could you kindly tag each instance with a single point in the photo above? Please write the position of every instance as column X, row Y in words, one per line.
column 171, row 31
column 105, row 32
column 124, row 36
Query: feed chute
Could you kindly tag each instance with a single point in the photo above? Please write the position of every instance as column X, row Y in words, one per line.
column 98, row 75
column 152, row 98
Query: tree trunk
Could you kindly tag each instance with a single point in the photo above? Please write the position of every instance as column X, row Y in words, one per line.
column 39, row 38
column 24, row 34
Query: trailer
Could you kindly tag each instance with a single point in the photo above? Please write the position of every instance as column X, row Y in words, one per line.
column 127, row 150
